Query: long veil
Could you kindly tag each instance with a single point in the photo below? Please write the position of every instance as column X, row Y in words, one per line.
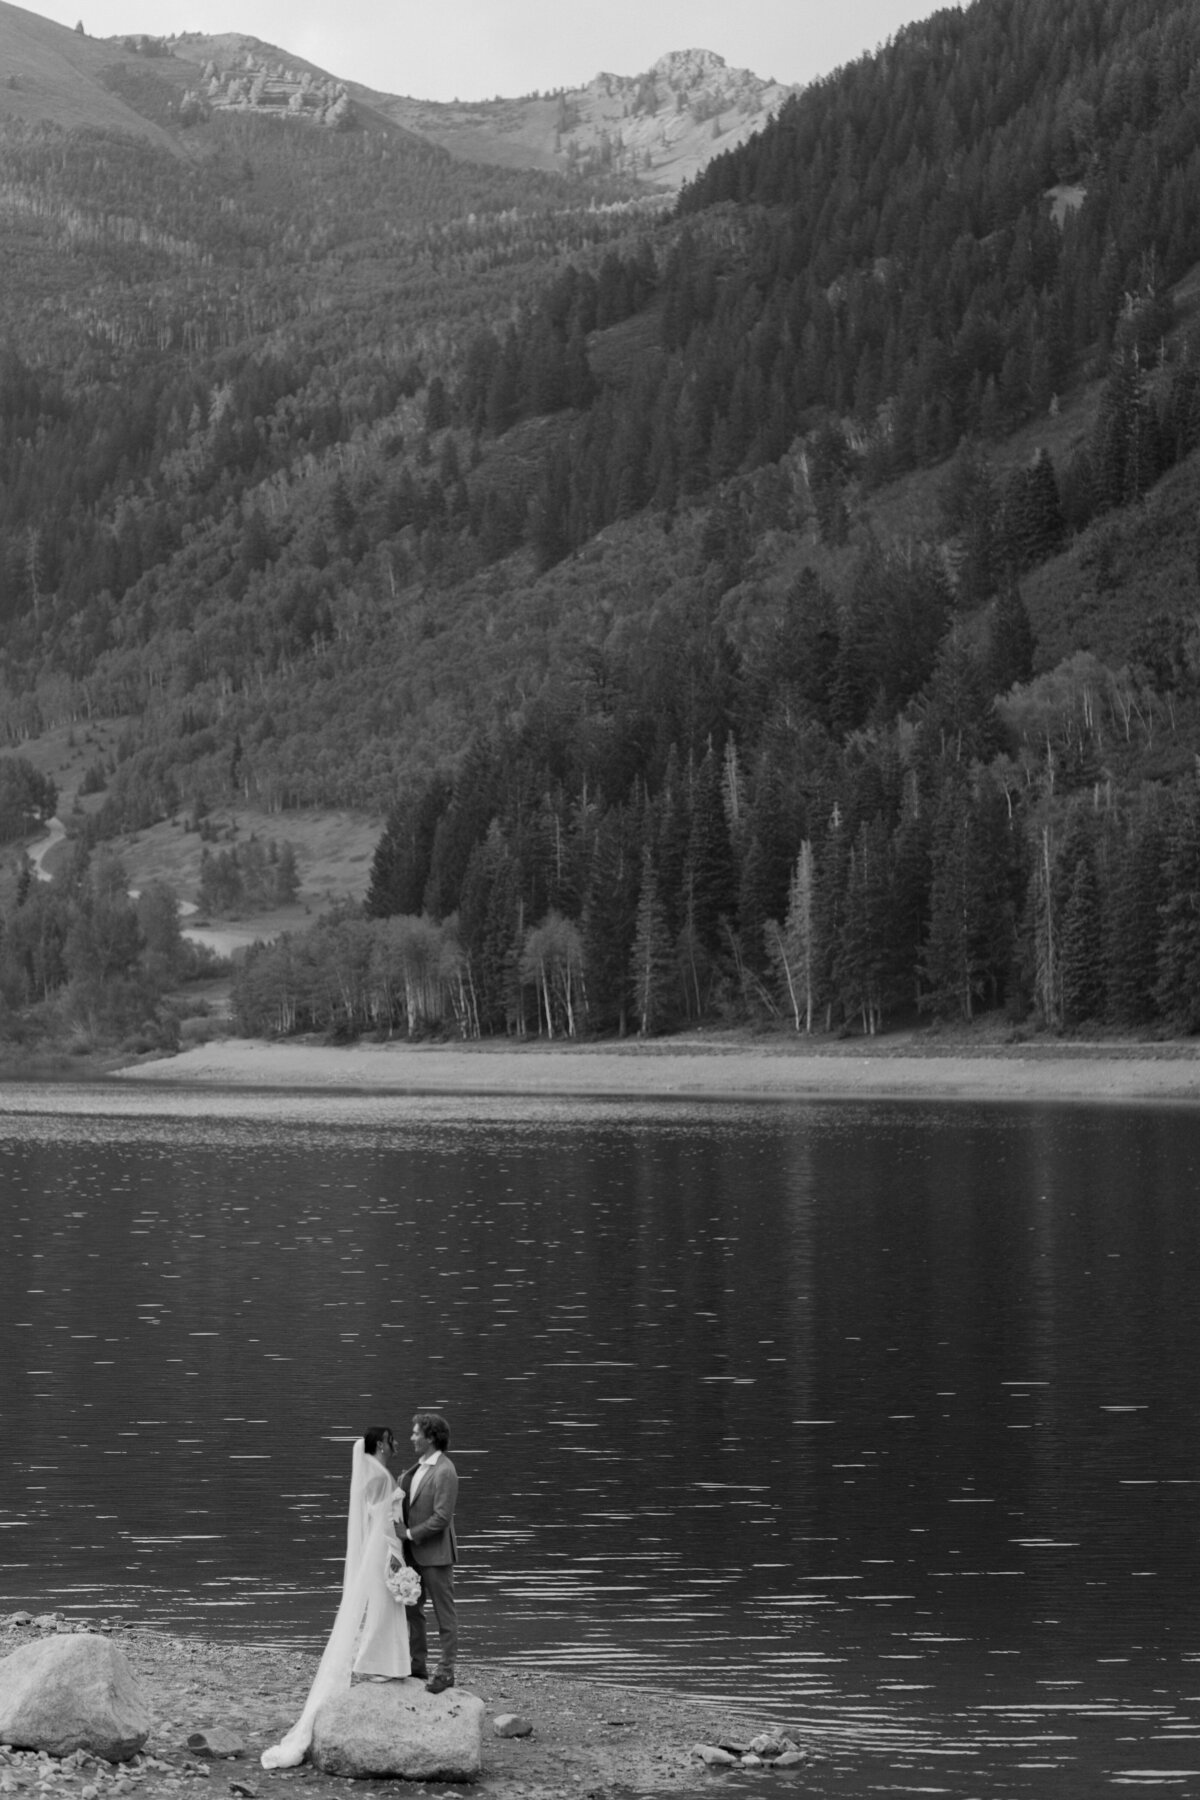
column 333, row 1670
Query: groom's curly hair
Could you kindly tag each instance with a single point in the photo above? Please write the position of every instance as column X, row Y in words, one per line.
column 435, row 1429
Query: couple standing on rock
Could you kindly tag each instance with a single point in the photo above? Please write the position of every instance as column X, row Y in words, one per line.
column 400, row 1552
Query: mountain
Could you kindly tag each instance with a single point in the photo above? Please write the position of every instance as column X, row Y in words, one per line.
column 654, row 130
column 51, row 75
column 781, row 603
column 658, row 128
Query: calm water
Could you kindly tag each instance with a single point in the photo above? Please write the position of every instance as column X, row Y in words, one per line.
column 881, row 1419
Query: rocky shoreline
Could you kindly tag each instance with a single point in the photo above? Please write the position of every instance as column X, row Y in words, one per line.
column 216, row 1705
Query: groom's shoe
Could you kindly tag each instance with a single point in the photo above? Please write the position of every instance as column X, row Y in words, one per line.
column 440, row 1681
column 421, row 1674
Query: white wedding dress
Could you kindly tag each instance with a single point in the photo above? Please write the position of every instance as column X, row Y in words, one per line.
column 370, row 1632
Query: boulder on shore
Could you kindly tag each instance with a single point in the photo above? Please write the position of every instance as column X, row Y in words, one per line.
column 397, row 1728
column 70, row 1693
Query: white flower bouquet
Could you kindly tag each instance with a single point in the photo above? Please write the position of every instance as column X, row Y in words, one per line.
column 402, row 1580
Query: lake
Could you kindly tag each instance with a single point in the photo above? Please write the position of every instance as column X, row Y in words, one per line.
column 879, row 1419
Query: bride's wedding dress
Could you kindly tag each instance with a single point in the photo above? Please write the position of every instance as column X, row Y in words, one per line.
column 370, row 1633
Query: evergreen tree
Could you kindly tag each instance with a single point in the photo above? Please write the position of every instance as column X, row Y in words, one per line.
column 806, row 648
column 957, row 724
column 610, row 919
column 1178, row 990
column 830, row 465
column 401, row 863
column 710, row 873
column 910, row 863
column 652, row 964
column 491, row 929
column 1134, row 922
column 980, row 538
column 1123, row 450
column 863, row 961
column 773, row 829
column 286, row 878
column 754, row 908
column 1043, row 931
column 1038, row 528
column 952, row 966
column 1082, row 968
column 671, row 827
column 1012, row 643
column 461, row 826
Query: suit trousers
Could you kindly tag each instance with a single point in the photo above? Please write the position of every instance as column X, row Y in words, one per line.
column 437, row 1586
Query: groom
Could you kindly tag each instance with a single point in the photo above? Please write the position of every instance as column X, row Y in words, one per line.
column 426, row 1523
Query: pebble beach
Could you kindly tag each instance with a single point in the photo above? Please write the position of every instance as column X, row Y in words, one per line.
column 588, row 1738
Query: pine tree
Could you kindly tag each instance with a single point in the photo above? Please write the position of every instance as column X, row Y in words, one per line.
column 950, row 963
column 491, row 929
column 863, row 958
column 1044, row 926
column 672, row 825
column 956, row 714
column 1082, row 968
column 829, row 468
column 1010, row 657
column 400, row 866
column 610, row 919
column 461, row 826
column 1135, row 923
column 710, row 873
column 772, row 831
column 1178, row 989
column 652, row 964
column 910, row 864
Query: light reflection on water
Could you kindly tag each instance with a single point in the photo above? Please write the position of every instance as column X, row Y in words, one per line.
column 878, row 1419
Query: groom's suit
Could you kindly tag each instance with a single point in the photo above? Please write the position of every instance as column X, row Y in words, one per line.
column 433, row 1548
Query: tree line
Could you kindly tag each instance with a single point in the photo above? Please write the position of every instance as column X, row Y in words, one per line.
column 872, row 818
column 85, row 964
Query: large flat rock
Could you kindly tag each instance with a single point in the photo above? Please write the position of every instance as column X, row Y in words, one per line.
column 396, row 1728
column 72, row 1693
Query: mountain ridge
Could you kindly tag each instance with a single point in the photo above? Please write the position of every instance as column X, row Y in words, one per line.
column 659, row 127
column 656, row 129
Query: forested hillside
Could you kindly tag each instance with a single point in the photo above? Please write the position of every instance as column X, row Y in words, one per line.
column 783, row 609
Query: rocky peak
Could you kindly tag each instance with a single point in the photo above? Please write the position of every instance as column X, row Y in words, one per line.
column 689, row 68
column 658, row 128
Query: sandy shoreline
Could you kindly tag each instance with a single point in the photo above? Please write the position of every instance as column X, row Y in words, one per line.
column 715, row 1067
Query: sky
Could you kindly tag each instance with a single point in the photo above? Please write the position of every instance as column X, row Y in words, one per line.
column 476, row 49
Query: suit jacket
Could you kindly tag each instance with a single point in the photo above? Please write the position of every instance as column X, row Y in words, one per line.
column 430, row 1516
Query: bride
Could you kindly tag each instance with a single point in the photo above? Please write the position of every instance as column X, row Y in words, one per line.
column 370, row 1633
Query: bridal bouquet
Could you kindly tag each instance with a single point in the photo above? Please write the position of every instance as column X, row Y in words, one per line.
column 402, row 1580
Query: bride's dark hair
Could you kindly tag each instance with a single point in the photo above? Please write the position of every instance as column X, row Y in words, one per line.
column 373, row 1436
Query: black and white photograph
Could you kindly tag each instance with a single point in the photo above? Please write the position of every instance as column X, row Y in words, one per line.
column 600, row 899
